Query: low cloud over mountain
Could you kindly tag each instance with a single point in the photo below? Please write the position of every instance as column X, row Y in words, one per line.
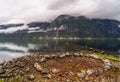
column 14, row 11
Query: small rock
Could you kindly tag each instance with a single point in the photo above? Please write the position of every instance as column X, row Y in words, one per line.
column 83, row 71
column 38, row 67
column 62, row 56
column 54, row 70
column 27, row 69
column 76, row 54
column 89, row 71
column 81, row 54
column 53, row 55
column 4, row 76
column 67, row 53
column 2, row 71
column 49, row 76
column 31, row 77
column 87, row 77
column 107, row 62
column 106, row 68
column 95, row 56
column 67, row 80
column 71, row 73
column 80, row 75
column 102, row 52
column 45, row 71
column 3, row 63
column 43, row 59
column 100, row 70
column 47, row 56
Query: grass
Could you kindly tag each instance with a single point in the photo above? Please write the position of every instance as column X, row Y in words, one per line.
column 104, row 56
column 16, row 79
column 1, row 80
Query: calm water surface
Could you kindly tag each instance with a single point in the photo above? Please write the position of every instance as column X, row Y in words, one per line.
column 16, row 48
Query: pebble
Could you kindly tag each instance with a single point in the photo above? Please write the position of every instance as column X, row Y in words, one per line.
column 27, row 69
column 45, row 71
column 95, row 56
column 71, row 73
column 107, row 62
column 62, row 56
column 67, row 54
column 53, row 55
column 49, row 76
column 2, row 71
column 54, row 70
column 100, row 70
column 89, row 71
column 43, row 59
column 38, row 67
column 83, row 71
column 76, row 54
column 106, row 68
column 31, row 77
column 80, row 75
column 81, row 54
column 47, row 56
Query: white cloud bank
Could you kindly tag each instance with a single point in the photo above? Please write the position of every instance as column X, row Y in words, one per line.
column 13, row 11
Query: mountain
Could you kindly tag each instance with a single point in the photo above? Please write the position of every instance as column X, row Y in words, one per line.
column 84, row 27
column 63, row 26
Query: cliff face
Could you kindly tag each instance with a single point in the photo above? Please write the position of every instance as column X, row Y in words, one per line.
column 84, row 27
column 64, row 26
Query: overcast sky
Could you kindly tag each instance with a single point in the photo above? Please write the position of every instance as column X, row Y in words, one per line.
column 13, row 11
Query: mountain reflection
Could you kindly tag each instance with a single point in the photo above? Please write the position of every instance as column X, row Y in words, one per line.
column 16, row 48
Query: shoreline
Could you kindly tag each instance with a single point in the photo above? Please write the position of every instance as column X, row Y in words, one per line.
column 61, row 67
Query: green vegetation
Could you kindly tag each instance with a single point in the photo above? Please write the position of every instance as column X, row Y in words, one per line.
column 104, row 56
column 1, row 80
column 16, row 79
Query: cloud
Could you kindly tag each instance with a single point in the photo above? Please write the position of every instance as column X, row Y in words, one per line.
column 61, row 3
column 13, row 29
column 47, row 10
column 11, row 46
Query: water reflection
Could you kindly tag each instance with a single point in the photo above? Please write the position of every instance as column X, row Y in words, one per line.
column 15, row 48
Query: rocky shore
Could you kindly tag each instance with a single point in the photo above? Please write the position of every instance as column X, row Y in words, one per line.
column 61, row 67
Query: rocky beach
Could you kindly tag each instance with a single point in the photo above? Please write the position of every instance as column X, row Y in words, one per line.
column 80, row 66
